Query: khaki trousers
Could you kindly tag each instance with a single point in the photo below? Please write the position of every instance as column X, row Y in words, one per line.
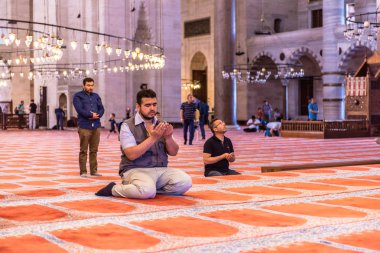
column 89, row 139
column 144, row 183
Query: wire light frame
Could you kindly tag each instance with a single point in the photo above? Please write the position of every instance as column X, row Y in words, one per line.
column 260, row 74
column 42, row 50
column 362, row 27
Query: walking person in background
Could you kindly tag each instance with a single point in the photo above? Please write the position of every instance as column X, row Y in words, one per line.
column 59, row 114
column 113, row 124
column 90, row 109
column 127, row 113
column 32, row 114
column 203, row 117
column 187, row 118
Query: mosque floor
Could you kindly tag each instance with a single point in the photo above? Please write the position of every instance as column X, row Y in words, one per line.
column 46, row 207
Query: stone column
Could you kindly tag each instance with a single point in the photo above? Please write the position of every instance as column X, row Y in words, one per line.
column 225, row 39
column 333, row 88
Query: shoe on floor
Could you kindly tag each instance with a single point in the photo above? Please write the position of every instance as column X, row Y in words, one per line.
column 106, row 191
column 96, row 174
column 83, row 175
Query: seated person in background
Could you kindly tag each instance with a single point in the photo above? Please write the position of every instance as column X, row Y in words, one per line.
column 253, row 124
column 273, row 129
column 218, row 151
column 277, row 115
column 260, row 114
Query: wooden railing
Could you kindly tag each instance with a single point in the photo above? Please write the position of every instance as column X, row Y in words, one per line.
column 325, row 129
column 8, row 120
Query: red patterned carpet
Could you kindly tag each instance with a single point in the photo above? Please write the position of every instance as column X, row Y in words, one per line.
column 46, row 207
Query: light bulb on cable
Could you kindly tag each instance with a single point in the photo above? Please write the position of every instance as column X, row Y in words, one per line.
column 141, row 56
column 109, row 50
column 134, row 55
column 86, row 46
column 17, row 42
column 12, row 36
column 98, row 48
column 74, row 44
column 29, row 38
column 59, row 42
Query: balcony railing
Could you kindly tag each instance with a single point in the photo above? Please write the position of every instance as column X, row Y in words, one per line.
column 325, row 129
column 9, row 120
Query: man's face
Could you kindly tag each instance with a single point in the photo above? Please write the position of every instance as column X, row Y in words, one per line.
column 148, row 108
column 88, row 87
column 219, row 126
column 312, row 101
column 190, row 98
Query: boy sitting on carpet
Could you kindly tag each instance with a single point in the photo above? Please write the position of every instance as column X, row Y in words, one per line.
column 218, row 151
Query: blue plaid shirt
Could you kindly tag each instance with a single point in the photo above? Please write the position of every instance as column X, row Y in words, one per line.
column 85, row 104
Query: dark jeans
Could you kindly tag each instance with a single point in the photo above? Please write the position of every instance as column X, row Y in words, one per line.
column 215, row 173
column 202, row 127
column 59, row 122
column 20, row 121
column 188, row 124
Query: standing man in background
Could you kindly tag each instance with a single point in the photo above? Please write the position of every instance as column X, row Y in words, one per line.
column 313, row 110
column 59, row 114
column 203, row 117
column 20, row 111
column 90, row 109
column 267, row 111
column 187, row 118
column 32, row 114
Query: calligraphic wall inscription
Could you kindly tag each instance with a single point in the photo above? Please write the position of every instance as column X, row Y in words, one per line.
column 197, row 27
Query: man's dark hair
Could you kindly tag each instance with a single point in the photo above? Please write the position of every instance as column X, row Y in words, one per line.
column 87, row 80
column 211, row 125
column 145, row 94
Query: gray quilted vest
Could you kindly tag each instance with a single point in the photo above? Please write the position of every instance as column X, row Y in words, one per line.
column 156, row 156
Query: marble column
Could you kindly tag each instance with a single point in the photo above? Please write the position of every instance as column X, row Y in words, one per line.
column 333, row 79
column 225, row 39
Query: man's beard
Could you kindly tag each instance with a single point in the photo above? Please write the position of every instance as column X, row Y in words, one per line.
column 146, row 117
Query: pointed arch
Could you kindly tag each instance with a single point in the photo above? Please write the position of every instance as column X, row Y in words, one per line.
column 363, row 48
column 198, row 61
column 305, row 51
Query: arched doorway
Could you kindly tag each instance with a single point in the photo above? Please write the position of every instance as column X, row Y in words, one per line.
column 309, row 86
column 272, row 90
column 199, row 74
